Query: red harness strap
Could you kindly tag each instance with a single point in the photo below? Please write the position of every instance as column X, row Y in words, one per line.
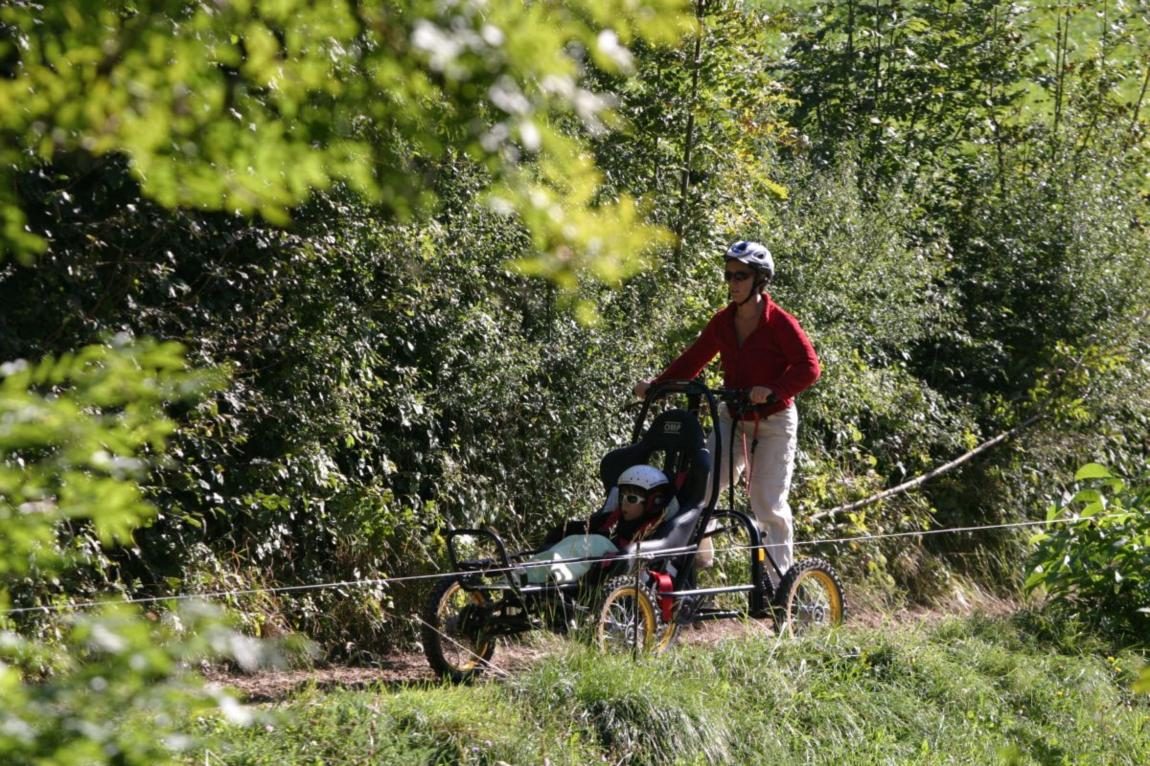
column 749, row 457
column 663, row 587
column 622, row 542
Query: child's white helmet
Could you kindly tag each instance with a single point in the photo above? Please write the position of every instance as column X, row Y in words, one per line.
column 646, row 477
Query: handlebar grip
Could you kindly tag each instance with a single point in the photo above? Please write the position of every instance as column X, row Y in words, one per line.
column 665, row 387
column 739, row 398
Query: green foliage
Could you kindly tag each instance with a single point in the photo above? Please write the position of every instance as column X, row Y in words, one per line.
column 1053, row 263
column 866, row 276
column 252, row 106
column 696, row 123
column 122, row 691
column 1096, row 562
column 908, row 82
column 930, row 84
column 76, row 433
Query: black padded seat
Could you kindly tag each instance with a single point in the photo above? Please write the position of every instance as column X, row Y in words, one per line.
column 674, row 442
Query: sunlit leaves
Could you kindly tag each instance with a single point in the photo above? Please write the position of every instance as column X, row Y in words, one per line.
column 1094, row 558
column 74, row 434
column 951, row 78
column 123, row 690
column 252, row 106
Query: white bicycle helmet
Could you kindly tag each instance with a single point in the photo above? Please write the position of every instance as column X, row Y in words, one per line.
column 757, row 256
column 646, row 477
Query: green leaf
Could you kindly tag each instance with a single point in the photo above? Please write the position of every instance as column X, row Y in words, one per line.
column 1142, row 685
column 1093, row 471
column 1094, row 507
column 1036, row 578
column 1087, row 496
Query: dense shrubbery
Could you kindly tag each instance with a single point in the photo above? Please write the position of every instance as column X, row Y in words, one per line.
column 958, row 270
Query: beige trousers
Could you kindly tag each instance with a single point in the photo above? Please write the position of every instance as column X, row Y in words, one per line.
column 772, row 465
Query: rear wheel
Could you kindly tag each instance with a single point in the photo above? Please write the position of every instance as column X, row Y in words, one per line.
column 452, row 631
column 810, row 598
column 628, row 617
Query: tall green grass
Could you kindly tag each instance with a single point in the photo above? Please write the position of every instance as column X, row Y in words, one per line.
column 966, row 691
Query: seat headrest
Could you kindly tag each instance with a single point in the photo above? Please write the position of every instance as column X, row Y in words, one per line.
column 677, row 430
column 678, row 436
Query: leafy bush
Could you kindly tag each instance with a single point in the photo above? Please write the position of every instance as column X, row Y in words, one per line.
column 123, row 690
column 1097, row 564
column 76, row 433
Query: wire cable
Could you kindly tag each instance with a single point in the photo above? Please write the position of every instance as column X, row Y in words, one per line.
column 500, row 570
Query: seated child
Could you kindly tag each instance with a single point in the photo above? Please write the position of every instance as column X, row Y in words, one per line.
column 634, row 507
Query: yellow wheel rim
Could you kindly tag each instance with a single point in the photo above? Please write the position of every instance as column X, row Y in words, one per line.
column 462, row 653
column 815, row 601
column 627, row 620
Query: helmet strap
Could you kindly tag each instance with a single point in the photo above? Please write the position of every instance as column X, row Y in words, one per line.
column 757, row 286
column 756, row 289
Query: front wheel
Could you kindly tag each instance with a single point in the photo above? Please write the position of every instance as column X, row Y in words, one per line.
column 809, row 598
column 453, row 637
column 628, row 617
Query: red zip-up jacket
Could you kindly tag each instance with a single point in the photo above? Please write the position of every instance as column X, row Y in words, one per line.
column 777, row 354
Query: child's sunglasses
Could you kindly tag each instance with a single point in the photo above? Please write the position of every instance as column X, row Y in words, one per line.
column 631, row 497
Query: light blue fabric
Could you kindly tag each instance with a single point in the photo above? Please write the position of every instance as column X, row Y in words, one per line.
column 572, row 547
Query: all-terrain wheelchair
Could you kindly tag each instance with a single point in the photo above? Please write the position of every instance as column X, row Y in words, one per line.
column 700, row 563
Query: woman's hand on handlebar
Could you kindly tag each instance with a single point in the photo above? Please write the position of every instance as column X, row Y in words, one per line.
column 641, row 388
column 738, row 398
column 760, row 394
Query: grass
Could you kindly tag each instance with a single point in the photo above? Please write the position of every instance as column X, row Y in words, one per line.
column 964, row 691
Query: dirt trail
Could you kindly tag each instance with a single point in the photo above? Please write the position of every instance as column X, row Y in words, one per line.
column 403, row 669
column 397, row 670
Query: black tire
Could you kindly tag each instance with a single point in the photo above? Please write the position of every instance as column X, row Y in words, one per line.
column 454, row 654
column 628, row 617
column 810, row 598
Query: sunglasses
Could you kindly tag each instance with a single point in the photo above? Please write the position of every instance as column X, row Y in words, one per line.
column 633, row 498
column 736, row 276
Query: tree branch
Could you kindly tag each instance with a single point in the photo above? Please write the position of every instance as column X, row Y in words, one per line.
column 920, row 480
